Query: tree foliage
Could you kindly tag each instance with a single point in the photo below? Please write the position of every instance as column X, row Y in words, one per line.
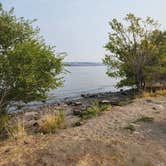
column 138, row 51
column 28, row 66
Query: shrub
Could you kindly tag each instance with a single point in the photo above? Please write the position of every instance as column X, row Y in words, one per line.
column 52, row 122
column 94, row 110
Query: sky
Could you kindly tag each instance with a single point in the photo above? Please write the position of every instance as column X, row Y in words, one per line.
column 80, row 27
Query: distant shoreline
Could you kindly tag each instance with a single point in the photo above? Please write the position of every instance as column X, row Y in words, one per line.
column 77, row 64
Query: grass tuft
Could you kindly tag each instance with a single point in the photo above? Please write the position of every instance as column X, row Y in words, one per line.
column 130, row 127
column 144, row 119
column 52, row 122
column 94, row 110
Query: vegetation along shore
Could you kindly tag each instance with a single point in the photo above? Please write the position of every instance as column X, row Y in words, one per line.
column 123, row 128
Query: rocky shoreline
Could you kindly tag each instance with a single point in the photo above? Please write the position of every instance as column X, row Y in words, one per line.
column 72, row 108
column 85, row 99
column 132, row 133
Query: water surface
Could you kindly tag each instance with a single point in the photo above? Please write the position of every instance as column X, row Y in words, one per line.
column 89, row 79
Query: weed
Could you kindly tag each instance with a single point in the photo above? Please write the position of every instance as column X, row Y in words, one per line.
column 144, row 119
column 123, row 103
column 130, row 127
column 94, row 110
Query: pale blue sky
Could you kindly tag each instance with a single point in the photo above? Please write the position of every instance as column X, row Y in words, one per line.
column 80, row 27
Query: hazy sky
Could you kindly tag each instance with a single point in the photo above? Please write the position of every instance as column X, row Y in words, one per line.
column 80, row 27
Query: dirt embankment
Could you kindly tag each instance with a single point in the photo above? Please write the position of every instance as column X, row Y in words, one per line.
column 131, row 135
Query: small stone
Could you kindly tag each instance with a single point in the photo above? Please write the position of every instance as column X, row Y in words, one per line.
column 149, row 101
column 25, row 142
column 69, row 102
column 78, row 123
column 105, row 102
column 77, row 112
column 77, row 103
column 7, row 150
column 84, row 95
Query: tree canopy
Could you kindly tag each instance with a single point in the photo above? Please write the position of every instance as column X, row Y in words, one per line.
column 28, row 66
column 138, row 52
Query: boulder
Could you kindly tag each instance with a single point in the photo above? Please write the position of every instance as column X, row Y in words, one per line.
column 105, row 102
column 28, row 116
column 79, row 123
column 69, row 102
column 77, row 103
column 77, row 112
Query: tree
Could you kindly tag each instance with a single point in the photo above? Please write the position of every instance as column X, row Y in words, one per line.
column 156, row 70
column 132, row 50
column 29, row 67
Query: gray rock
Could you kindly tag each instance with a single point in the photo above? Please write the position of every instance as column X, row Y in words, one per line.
column 105, row 102
column 77, row 103
column 77, row 112
column 30, row 116
column 79, row 123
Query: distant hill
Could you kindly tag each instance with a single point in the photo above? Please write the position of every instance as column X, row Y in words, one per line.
column 83, row 63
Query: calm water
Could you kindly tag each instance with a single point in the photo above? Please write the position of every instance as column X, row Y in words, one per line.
column 91, row 79
column 80, row 80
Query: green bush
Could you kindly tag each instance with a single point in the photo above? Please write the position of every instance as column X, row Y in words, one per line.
column 94, row 110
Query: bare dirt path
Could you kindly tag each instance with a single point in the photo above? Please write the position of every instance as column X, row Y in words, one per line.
column 101, row 141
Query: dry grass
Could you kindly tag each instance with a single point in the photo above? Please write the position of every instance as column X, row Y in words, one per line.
column 16, row 131
column 52, row 122
column 153, row 94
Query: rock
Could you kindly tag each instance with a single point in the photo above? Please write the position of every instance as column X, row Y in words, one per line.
column 69, row 102
column 33, row 123
column 84, row 107
column 124, row 93
column 77, row 103
column 105, row 102
column 79, row 123
column 160, row 107
column 25, row 142
column 36, row 124
column 154, row 108
column 84, row 95
column 149, row 101
column 7, row 150
column 92, row 95
column 30, row 116
column 77, row 112
column 121, row 90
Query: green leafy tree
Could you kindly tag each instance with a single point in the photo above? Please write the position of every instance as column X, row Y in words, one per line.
column 133, row 50
column 156, row 70
column 29, row 67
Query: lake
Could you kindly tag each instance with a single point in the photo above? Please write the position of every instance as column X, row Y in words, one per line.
column 84, row 79
column 80, row 80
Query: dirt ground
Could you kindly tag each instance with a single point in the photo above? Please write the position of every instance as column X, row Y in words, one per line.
column 101, row 141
